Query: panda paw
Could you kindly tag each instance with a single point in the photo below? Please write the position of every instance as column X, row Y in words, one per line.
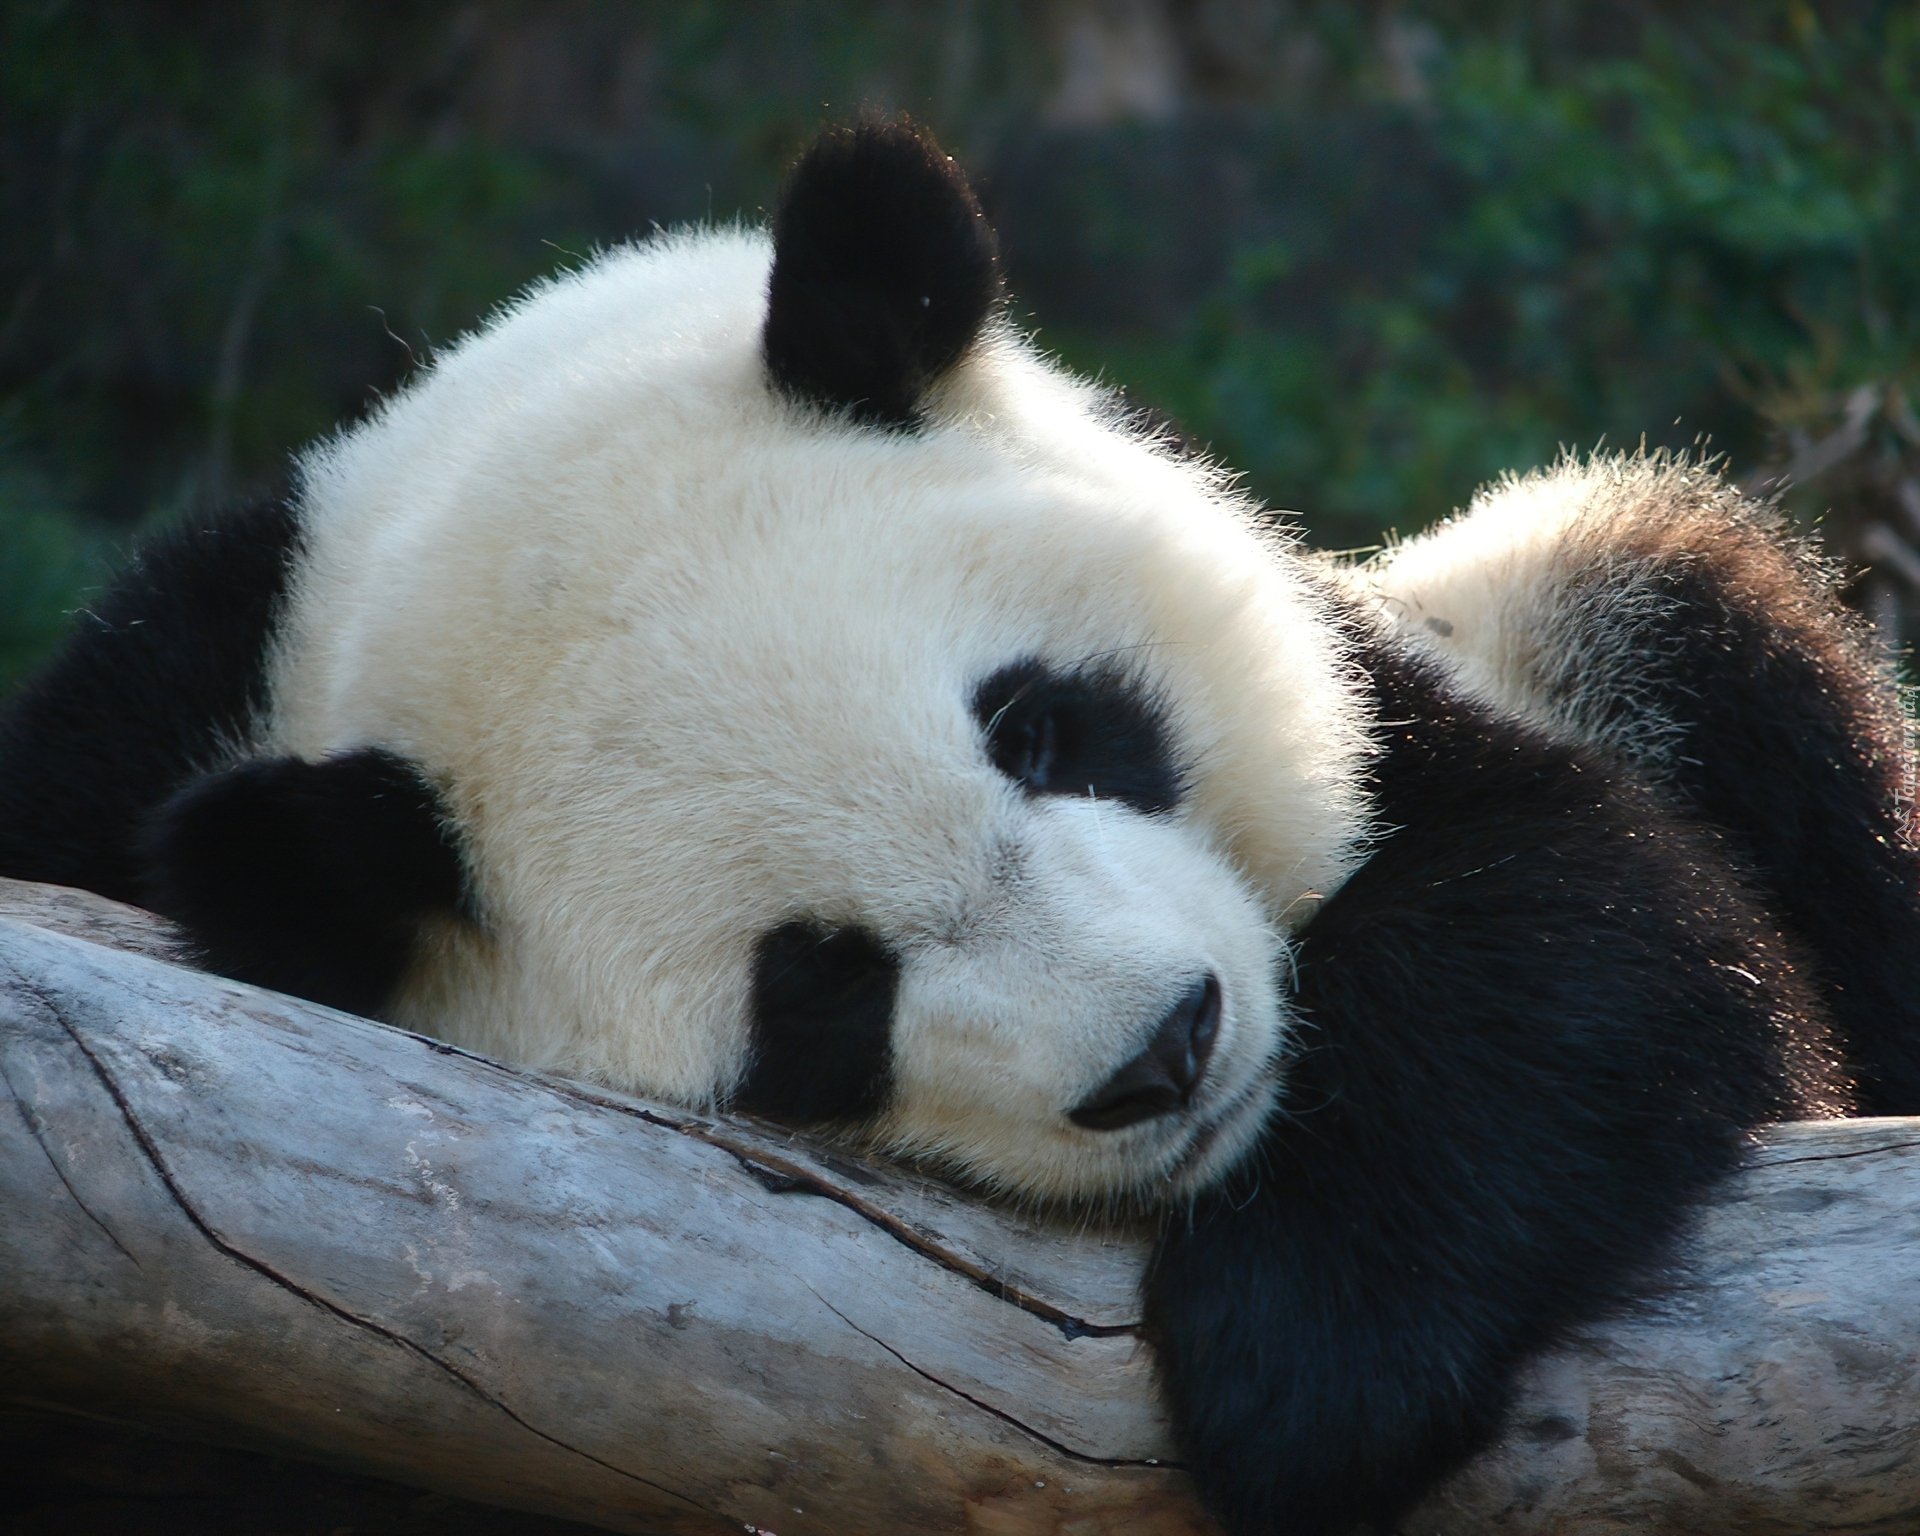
column 308, row 877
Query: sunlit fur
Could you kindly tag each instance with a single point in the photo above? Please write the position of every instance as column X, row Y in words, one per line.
column 1552, row 595
column 685, row 659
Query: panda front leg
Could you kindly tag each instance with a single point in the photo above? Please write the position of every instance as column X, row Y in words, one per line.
column 1535, row 1027
column 1643, row 606
column 312, row 878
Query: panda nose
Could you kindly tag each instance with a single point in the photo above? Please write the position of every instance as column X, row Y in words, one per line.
column 1161, row 1078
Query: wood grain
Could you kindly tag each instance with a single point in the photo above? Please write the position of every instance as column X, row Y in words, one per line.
column 238, row 1218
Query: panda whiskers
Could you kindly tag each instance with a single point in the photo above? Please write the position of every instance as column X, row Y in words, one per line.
column 1258, row 1165
column 1094, row 659
column 1099, row 824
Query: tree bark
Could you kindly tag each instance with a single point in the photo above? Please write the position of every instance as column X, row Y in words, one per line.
column 238, row 1218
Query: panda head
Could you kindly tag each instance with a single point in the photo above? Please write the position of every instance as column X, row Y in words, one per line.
column 844, row 715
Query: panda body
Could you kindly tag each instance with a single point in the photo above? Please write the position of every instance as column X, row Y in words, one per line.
column 746, row 672
column 1640, row 608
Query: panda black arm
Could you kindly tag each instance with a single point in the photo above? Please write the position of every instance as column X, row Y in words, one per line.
column 1535, row 1026
column 161, row 676
column 308, row 877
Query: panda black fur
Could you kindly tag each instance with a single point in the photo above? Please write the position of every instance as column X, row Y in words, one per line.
column 746, row 673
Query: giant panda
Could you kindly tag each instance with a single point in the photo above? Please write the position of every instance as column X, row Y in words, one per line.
column 746, row 671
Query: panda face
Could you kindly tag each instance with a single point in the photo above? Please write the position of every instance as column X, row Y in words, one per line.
column 957, row 782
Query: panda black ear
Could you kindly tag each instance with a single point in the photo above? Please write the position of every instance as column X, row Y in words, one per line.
column 884, row 272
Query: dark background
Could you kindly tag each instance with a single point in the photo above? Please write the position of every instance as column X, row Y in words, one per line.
column 1372, row 253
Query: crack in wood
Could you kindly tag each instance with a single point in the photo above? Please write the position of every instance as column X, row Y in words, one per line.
column 152, row 1154
column 796, row 1177
column 31, row 1117
column 762, row 1165
column 1833, row 1157
column 988, row 1408
column 782, row 1176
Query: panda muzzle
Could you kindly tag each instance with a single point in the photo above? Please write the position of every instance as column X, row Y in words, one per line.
column 1164, row 1077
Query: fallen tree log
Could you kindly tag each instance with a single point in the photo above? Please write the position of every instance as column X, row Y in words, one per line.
column 242, row 1219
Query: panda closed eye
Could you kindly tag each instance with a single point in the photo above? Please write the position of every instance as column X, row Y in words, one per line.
column 1098, row 733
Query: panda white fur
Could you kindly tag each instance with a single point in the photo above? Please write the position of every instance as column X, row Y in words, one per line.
column 746, row 672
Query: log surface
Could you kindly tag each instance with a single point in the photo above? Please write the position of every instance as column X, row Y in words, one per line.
column 239, row 1218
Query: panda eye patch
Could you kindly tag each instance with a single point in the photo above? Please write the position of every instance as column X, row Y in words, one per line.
column 1097, row 733
column 821, row 1018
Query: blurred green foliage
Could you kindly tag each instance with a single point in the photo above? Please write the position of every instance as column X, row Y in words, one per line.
column 1402, row 248
column 1710, row 237
column 48, row 559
